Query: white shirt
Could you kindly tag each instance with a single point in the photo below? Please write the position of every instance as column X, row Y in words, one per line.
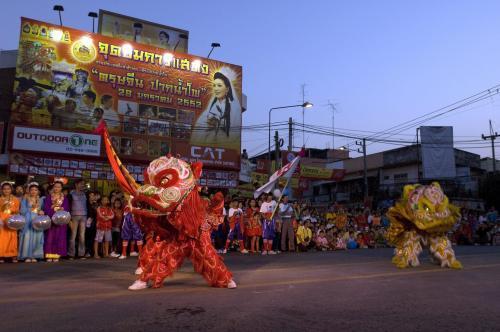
column 286, row 210
column 268, row 206
column 233, row 211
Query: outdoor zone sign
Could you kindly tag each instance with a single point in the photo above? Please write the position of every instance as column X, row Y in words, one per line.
column 55, row 141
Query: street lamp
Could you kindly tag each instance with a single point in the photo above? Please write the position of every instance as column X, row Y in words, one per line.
column 214, row 45
column 59, row 9
column 304, row 105
column 94, row 16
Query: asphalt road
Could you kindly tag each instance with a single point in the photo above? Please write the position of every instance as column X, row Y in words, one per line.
column 322, row 291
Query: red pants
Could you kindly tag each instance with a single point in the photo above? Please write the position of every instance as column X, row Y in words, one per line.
column 159, row 259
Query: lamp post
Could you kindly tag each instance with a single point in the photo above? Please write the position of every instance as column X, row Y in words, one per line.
column 94, row 16
column 214, row 45
column 304, row 105
column 59, row 8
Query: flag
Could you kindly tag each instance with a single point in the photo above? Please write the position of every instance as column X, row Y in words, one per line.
column 285, row 171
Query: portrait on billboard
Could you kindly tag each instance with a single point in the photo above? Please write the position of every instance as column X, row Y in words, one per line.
column 148, row 111
column 158, row 128
column 144, row 32
column 128, row 108
column 132, row 125
column 126, row 146
column 185, row 116
column 169, row 114
column 220, row 123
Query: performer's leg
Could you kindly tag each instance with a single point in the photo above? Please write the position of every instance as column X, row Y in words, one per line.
column 159, row 259
column 440, row 247
column 407, row 251
column 209, row 264
column 124, row 249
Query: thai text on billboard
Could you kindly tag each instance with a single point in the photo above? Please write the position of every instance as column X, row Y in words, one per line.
column 153, row 101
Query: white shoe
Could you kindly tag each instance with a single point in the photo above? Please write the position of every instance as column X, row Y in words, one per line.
column 224, row 251
column 138, row 285
column 231, row 284
column 114, row 255
column 264, row 252
column 244, row 251
column 134, row 254
column 138, row 271
column 122, row 257
column 272, row 252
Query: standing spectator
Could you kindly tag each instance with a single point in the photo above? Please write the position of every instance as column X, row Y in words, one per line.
column 105, row 217
column 31, row 240
column 268, row 226
column 19, row 192
column 236, row 227
column 55, row 241
column 116, row 227
column 90, row 227
column 78, row 219
column 9, row 205
column 254, row 230
column 287, row 235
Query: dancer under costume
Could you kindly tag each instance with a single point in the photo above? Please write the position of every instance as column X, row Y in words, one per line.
column 422, row 217
column 169, row 207
column 236, row 227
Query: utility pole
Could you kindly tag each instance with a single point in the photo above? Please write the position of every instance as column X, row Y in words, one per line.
column 290, row 134
column 303, row 118
column 276, row 150
column 365, row 175
column 334, row 109
column 492, row 137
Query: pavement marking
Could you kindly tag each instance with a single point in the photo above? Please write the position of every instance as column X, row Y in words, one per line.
column 197, row 288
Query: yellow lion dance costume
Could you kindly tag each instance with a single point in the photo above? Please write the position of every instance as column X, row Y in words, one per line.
column 422, row 216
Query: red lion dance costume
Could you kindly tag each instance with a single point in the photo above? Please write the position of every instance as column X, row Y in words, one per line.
column 175, row 219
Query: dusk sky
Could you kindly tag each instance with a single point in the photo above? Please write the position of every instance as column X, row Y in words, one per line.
column 380, row 62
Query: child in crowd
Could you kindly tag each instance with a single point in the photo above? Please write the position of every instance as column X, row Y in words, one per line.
column 351, row 241
column 254, row 229
column 105, row 216
column 360, row 239
column 321, row 241
column 268, row 225
column 236, row 227
column 341, row 243
column 131, row 233
column 116, row 227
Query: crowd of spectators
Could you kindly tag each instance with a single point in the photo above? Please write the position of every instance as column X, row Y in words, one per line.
column 101, row 226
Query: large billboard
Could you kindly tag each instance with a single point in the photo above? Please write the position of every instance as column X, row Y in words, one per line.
column 438, row 154
column 144, row 32
column 153, row 101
